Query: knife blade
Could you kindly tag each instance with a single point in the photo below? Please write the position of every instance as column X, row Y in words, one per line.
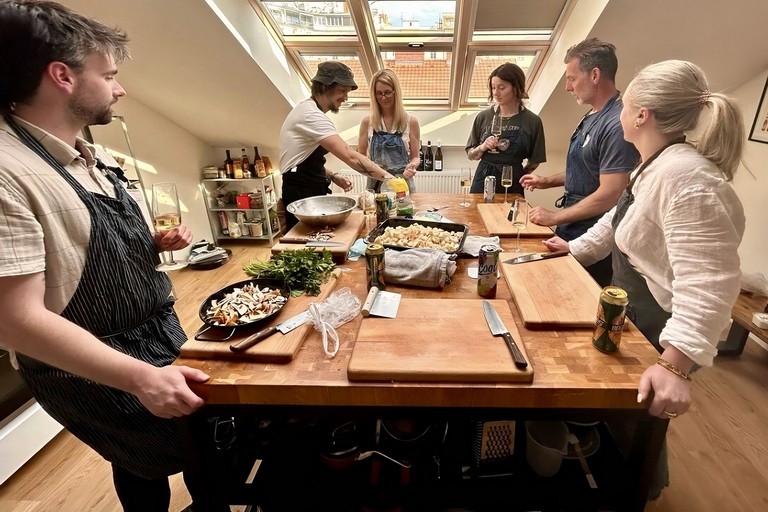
column 284, row 327
column 498, row 329
column 536, row 256
column 310, row 243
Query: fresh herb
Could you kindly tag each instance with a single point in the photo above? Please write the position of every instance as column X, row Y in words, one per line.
column 303, row 270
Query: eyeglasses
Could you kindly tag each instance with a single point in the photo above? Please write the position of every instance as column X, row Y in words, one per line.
column 384, row 94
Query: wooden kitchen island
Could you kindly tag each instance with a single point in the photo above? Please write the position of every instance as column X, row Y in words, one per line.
column 572, row 381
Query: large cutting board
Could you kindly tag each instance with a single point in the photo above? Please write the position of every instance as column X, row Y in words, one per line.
column 437, row 340
column 346, row 233
column 555, row 292
column 494, row 217
column 278, row 348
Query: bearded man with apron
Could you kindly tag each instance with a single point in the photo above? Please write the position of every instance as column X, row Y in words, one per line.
column 86, row 315
column 307, row 135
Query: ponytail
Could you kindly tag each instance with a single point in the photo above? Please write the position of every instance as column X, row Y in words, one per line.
column 676, row 92
column 722, row 140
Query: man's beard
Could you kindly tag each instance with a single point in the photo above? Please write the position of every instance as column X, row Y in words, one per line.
column 90, row 116
column 335, row 110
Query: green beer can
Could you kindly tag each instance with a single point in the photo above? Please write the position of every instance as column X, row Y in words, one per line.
column 609, row 325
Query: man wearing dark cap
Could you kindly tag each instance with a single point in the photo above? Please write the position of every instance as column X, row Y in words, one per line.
column 308, row 135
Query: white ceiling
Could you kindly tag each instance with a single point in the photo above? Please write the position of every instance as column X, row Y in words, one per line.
column 188, row 67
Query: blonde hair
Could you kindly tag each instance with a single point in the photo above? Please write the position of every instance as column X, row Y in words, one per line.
column 388, row 77
column 676, row 92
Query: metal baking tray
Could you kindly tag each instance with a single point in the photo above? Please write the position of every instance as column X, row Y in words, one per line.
column 397, row 222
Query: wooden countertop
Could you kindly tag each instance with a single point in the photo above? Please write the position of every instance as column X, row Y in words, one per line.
column 569, row 371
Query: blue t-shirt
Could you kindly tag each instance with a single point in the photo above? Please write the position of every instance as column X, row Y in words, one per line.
column 598, row 147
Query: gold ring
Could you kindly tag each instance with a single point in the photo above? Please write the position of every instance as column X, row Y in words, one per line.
column 670, row 415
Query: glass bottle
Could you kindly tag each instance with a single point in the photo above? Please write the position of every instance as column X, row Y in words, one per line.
column 258, row 163
column 245, row 164
column 428, row 158
column 229, row 165
column 421, row 157
column 438, row 165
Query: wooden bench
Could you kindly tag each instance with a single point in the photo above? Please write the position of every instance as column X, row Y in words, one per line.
column 742, row 326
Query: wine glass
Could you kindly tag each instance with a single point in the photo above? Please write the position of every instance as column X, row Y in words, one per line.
column 506, row 179
column 466, row 183
column 167, row 215
column 495, row 129
column 519, row 217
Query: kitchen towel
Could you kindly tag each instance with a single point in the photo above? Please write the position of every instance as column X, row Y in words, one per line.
column 425, row 268
column 473, row 243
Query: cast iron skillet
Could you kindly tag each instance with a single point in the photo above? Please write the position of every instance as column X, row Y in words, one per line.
column 261, row 283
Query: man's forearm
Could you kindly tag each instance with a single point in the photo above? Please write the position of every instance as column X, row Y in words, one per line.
column 556, row 180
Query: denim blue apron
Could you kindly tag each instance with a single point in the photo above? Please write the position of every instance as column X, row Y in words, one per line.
column 388, row 151
column 122, row 300
column 580, row 181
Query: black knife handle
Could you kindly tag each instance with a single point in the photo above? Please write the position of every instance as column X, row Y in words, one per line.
column 252, row 340
column 520, row 361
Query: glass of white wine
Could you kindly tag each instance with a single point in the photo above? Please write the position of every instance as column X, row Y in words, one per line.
column 506, row 179
column 519, row 217
column 166, row 213
column 466, row 183
column 495, row 129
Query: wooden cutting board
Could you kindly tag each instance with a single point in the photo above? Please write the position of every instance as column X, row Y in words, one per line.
column 437, row 340
column 278, row 348
column 555, row 292
column 494, row 217
column 346, row 233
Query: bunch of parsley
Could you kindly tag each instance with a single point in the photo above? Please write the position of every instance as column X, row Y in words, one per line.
column 303, row 270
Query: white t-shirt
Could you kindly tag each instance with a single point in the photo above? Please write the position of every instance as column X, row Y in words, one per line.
column 302, row 132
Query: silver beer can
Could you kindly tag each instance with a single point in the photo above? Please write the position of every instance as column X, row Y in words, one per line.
column 489, row 189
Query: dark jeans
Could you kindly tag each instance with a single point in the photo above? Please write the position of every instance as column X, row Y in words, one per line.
column 139, row 494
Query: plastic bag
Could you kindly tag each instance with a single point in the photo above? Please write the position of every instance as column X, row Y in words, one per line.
column 339, row 308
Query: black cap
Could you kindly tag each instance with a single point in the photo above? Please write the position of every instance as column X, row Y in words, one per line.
column 334, row 72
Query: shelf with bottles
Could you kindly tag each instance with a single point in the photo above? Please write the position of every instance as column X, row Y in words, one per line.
column 242, row 208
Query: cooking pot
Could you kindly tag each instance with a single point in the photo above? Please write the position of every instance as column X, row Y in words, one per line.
column 341, row 448
column 406, row 432
column 261, row 283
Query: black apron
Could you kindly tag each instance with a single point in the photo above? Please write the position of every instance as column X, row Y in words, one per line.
column 643, row 309
column 122, row 300
column 307, row 179
column 512, row 150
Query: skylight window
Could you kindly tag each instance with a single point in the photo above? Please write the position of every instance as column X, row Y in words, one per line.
column 442, row 51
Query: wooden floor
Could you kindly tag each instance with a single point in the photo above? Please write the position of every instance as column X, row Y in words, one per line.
column 718, row 454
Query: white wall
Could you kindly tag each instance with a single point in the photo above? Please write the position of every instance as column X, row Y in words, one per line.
column 753, row 188
column 166, row 152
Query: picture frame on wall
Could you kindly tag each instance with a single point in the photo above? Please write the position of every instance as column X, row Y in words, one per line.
column 759, row 131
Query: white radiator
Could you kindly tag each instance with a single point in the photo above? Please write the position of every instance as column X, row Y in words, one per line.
column 435, row 182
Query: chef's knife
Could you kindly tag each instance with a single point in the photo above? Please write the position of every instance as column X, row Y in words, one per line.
column 310, row 243
column 498, row 329
column 536, row 256
column 284, row 327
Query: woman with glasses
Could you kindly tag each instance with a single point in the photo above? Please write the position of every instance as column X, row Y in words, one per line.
column 521, row 134
column 390, row 136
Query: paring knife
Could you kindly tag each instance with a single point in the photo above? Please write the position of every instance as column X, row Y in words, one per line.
column 284, row 327
column 310, row 243
column 537, row 256
column 498, row 329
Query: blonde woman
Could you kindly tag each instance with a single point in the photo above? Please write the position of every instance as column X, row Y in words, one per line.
column 389, row 136
column 675, row 232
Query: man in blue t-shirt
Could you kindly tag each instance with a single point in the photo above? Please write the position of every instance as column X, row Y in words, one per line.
column 599, row 159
